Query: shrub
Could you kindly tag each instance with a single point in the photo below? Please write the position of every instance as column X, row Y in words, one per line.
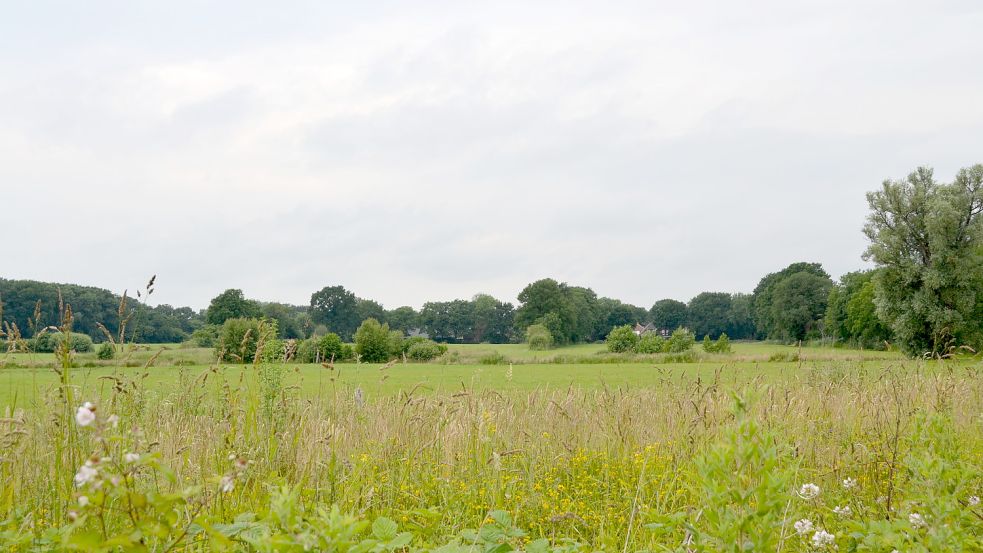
column 206, row 336
column 723, row 343
column 622, row 339
column 539, row 337
column 681, row 340
column 373, row 342
column 106, row 351
column 651, row 343
column 494, row 358
column 240, row 338
column 273, row 350
column 425, row 350
column 79, row 343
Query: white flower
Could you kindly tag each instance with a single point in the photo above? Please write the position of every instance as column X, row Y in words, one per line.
column 843, row 511
column 822, row 538
column 86, row 473
column 131, row 457
column 227, row 484
column 849, row 483
column 803, row 526
column 809, row 491
column 232, row 456
column 85, row 414
column 83, row 501
column 916, row 520
column 974, row 500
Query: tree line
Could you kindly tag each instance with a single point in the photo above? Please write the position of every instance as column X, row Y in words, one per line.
column 925, row 294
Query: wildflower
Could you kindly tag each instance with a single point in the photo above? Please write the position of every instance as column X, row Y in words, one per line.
column 227, row 484
column 86, row 414
column 974, row 500
column 849, row 483
column 232, row 456
column 72, row 516
column 83, row 501
column 916, row 520
column 131, row 457
column 809, row 491
column 822, row 538
column 843, row 511
column 86, row 473
column 803, row 526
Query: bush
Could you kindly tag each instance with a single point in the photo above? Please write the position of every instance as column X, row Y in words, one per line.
column 651, row 343
column 273, row 351
column 240, row 338
column 622, row 339
column 681, row 340
column 206, row 336
column 721, row 345
column 539, row 337
column 106, row 351
column 374, row 342
column 425, row 350
column 79, row 343
column 494, row 358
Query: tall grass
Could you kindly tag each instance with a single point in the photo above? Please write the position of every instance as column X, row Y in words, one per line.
column 685, row 464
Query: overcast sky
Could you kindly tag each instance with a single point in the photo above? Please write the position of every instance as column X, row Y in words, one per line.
column 416, row 151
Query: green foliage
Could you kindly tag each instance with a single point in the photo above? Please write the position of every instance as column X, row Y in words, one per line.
column 483, row 319
column 240, row 339
column 651, row 343
column 568, row 311
column 425, row 350
column 403, row 318
column 49, row 342
column 291, row 320
column 720, row 345
column 709, row 313
column 337, row 309
column 206, row 336
column 374, row 343
column 106, row 351
column 789, row 305
column 612, row 313
column 622, row 340
column 539, row 337
column 927, row 239
column 682, row 340
column 231, row 304
column 668, row 313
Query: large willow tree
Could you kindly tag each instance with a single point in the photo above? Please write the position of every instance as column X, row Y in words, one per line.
column 927, row 237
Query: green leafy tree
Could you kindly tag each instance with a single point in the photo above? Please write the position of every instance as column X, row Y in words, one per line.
column 571, row 306
column 373, row 342
column 370, row 309
column 231, row 304
column 667, row 313
column 403, row 318
column 611, row 313
column 240, row 339
column 651, row 342
column 926, row 238
column 793, row 310
column 622, row 339
column 709, row 313
column 682, row 340
column 337, row 309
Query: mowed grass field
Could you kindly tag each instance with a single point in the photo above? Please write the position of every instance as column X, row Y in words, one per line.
column 26, row 380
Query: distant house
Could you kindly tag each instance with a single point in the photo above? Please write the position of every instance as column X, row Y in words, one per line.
column 649, row 328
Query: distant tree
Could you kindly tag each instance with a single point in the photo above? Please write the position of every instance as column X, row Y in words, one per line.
column 667, row 313
column 622, row 339
column 403, row 318
column 574, row 307
column 740, row 322
column 492, row 320
column 231, row 304
column 851, row 315
column 290, row 319
column 240, row 338
column 926, row 238
column 370, row 309
column 799, row 310
column 682, row 340
column 373, row 342
column 709, row 313
column 798, row 305
column 651, row 342
column 337, row 309
column 613, row 313
column 448, row 321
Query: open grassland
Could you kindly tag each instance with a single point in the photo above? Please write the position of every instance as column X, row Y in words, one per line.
column 634, row 455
